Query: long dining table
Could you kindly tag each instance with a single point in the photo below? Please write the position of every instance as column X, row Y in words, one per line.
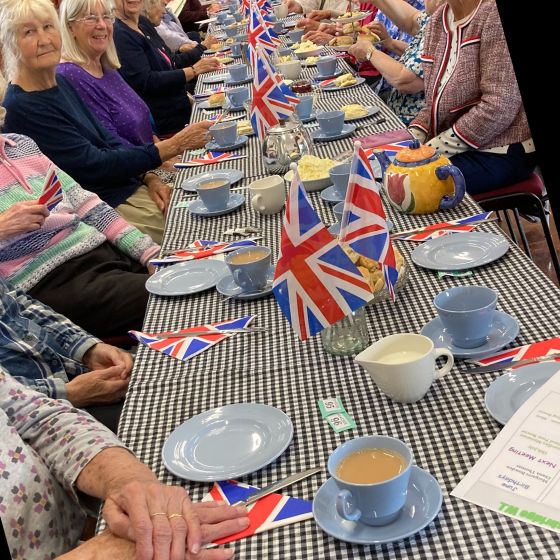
column 448, row 429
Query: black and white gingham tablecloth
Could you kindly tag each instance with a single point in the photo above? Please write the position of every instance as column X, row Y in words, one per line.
column 448, row 429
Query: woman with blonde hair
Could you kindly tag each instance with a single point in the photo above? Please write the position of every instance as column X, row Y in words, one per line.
column 47, row 108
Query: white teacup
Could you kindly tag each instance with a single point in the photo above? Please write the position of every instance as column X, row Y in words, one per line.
column 268, row 195
column 403, row 365
column 281, row 10
column 291, row 70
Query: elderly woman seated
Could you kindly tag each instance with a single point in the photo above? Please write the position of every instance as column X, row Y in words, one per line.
column 61, row 461
column 49, row 110
column 159, row 76
column 80, row 258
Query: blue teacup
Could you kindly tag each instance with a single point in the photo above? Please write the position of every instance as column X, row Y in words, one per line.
column 235, row 49
column 241, row 37
column 249, row 267
column 278, row 27
column 233, row 8
column 238, row 95
column 296, row 34
column 221, row 17
column 326, row 65
column 228, row 20
column 467, row 313
column 340, row 174
column 238, row 16
column 331, row 122
column 224, row 134
column 338, row 208
column 231, row 31
column 372, row 503
column 305, row 106
column 238, row 72
column 214, row 193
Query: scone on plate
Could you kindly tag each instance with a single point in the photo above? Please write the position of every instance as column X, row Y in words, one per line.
column 345, row 80
column 244, row 127
column 353, row 111
column 341, row 41
column 216, row 99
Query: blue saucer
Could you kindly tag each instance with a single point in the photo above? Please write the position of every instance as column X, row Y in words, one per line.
column 230, row 82
column 215, row 79
column 310, row 118
column 423, row 502
column 227, row 287
column 347, row 130
column 198, row 209
column 213, row 146
column 320, row 77
column 504, row 330
column 330, row 195
column 233, row 107
column 335, row 229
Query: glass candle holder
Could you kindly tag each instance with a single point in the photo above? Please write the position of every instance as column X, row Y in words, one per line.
column 347, row 337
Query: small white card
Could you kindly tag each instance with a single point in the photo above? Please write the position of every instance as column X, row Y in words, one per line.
column 519, row 474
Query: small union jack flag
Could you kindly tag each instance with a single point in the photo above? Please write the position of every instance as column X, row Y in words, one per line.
column 434, row 230
column 52, row 190
column 270, row 512
column 269, row 103
column 202, row 248
column 185, row 347
column 315, row 282
column 534, row 350
column 258, row 35
column 391, row 149
column 363, row 225
column 245, row 7
column 208, row 159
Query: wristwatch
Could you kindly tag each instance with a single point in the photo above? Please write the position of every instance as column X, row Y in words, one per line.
column 368, row 55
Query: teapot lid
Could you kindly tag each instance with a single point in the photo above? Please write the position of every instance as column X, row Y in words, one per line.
column 285, row 125
column 415, row 153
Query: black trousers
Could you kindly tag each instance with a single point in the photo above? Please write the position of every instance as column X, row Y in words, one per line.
column 102, row 291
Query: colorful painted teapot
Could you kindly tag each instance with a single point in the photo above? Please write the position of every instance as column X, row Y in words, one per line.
column 420, row 180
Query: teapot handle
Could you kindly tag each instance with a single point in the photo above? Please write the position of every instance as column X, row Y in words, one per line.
column 442, row 173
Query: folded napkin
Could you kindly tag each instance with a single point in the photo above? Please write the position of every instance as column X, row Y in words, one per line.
column 534, row 350
column 202, row 248
column 327, row 82
column 270, row 512
column 390, row 140
column 185, row 347
column 52, row 190
column 208, row 159
column 208, row 93
column 432, row 231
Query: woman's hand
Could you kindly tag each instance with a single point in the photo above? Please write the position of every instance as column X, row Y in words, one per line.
column 360, row 49
column 319, row 15
column 209, row 40
column 191, row 137
column 381, row 31
column 308, row 24
column 208, row 64
column 103, row 355
column 318, row 37
column 22, row 217
column 103, row 386
column 159, row 192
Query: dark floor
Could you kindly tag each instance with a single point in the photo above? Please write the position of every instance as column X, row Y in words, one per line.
column 537, row 244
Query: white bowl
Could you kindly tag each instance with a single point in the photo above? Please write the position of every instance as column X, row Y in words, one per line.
column 303, row 55
column 340, row 48
column 311, row 185
column 290, row 70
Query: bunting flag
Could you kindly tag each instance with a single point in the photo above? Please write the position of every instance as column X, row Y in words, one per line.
column 202, row 248
column 534, row 350
column 363, row 225
column 315, row 282
column 270, row 512
column 391, row 149
column 184, row 347
column 52, row 190
column 434, row 230
column 269, row 103
column 208, row 159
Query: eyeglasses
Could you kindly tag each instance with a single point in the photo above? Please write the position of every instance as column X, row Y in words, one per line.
column 92, row 19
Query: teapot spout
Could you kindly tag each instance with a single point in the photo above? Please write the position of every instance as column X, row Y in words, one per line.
column 383, row 160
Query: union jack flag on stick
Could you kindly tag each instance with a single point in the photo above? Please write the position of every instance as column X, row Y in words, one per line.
column 315, row 282
column 259, row 35
column 269, row 103
column 363, row 225
column 52, row 190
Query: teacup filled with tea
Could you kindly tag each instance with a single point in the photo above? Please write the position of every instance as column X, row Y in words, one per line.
column 249, row 267
column 214, row 193
column 372, row 475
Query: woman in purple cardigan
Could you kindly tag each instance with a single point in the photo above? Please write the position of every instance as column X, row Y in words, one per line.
column 473, row 112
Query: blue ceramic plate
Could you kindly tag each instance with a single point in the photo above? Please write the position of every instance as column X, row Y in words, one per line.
column 206, row 105
column 232, row 175
column 227, row 287
column 333, row 87
column 213, row 146
column 230, row 82
column 320, row 77
column 347, row 130
column 215, row 79
column 423, row 502
column 460, row 251
column 227, row 442
column 330, row 195
column 506, row 394
column 198, row 209
column 370, row 111
column 308, row 119
column 187, row 277
column 504, row 330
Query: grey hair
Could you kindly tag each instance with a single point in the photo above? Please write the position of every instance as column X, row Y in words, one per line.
column 13, row 13
column 70, row 10
column 149, row 3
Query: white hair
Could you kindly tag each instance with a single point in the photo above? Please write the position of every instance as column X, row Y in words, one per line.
column 70, row 10
column 14, row 13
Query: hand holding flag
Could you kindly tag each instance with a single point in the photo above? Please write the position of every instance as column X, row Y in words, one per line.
column 52, row 190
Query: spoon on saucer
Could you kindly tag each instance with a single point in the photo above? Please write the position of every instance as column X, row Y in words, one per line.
column 251, row 292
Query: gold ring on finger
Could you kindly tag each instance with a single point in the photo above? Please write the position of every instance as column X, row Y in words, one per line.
column 171, row 516
column 158, row 513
